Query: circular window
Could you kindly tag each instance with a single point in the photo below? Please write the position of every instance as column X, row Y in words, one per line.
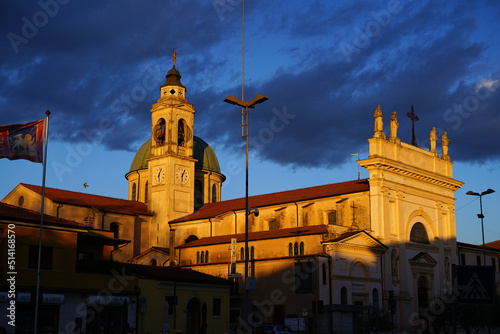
column 21, row 200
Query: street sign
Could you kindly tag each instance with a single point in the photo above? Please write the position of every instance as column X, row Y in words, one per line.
column 233, row 255
column 474, row 284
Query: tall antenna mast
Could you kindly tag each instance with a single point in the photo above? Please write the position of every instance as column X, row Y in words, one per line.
column 243, row 56
column 358, row 164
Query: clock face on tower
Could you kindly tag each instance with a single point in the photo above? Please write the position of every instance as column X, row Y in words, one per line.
column 182, row 175
column 158, row 175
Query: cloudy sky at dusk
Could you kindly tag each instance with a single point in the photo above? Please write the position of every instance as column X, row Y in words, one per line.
column 325, row 66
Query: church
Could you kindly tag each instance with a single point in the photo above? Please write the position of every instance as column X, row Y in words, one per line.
column 320, row 257
column 386, row 241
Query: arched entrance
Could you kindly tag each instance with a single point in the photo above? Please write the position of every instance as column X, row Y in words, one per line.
column 193, row 316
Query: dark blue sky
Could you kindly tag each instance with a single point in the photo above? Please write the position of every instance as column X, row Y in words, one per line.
column 325, row 66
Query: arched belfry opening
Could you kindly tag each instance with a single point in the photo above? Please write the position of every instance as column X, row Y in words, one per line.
column 159, row 132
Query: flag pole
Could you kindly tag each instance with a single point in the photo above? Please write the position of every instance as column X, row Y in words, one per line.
column 39, row 271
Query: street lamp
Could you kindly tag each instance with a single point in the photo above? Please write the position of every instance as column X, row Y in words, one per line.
column 489, row 191
column 244, row 134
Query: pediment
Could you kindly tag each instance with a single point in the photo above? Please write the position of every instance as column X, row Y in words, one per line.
column 358, row 239
column 423, row 258
column 159, row 254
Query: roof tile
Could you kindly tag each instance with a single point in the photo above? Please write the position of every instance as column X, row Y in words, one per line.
column 15, row 213
column 102, row 203
column 261, row 235
column 290, row 196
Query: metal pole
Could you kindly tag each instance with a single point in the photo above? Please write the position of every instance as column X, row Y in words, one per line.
column 246, row 224
column 482, row 227
column 39, row 268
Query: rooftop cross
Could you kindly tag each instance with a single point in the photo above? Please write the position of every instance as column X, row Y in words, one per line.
column 354, row 225
column 414, row 118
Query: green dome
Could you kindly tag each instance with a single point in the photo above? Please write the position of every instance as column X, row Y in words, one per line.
column 140, row 160
column 207, row 160
column 205, row 155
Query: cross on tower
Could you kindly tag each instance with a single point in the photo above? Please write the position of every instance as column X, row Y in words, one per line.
column 414, row 118
column 354, row 207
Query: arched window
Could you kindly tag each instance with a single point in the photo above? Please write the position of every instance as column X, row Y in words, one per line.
column 159, row 132
column 290, row 249
column 181, row 133
column 242, row 254
column 198, row 194
column 214, row 193
column 296, row 249
column 343, row 295
column 197, row 257
column 206, row 257
column 134, row 191
column 153, row 262
column 301, row 248
column 252, row 253
column 190, row 238
column 146, row 193
column 419, row 234
column 202, row 257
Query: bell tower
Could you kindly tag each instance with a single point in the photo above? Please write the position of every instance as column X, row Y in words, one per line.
column 171, row 164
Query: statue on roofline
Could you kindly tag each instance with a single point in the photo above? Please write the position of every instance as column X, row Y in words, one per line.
column 174, row 56
column 444, row 145
column 378, row 132
column 393, row 136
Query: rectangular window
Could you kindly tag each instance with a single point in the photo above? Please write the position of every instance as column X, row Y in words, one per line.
column 494, row 265
column 332, row 218
column 478, row 260
column 46, row 260
column 272, row 224
column 217, row 307
column 304, row 277
column 462, row 259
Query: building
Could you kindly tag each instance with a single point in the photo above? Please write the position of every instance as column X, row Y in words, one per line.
column 83, row 290
column 322, row 257
column 391, row 237
column 473, row 255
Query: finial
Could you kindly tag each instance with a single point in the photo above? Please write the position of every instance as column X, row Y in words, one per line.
column 174, row 56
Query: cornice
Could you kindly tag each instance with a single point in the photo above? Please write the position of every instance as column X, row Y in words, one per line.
column 411, row 172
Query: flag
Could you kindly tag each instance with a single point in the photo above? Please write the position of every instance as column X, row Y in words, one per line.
column 22, row 141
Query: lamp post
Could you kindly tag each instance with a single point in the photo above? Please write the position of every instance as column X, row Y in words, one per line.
column 480, row 195
column 244, row 134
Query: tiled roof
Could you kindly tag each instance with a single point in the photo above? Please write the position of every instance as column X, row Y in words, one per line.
column 214, row 209
column 493, row 244
column 262, row 235
column 101, row 203
column 17, row 214
column 174, row 274
column 98, row 238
